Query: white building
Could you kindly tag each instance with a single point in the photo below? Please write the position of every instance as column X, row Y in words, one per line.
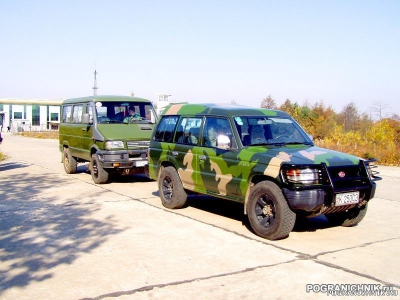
column 19, row 115
column 162, row 102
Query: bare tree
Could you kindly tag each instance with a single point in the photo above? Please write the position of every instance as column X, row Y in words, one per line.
column 268, row 103
column 378, row 108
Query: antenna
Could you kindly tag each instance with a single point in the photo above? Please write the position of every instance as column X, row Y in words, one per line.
column 95, row 84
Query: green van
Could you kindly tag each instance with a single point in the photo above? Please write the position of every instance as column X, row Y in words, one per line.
column 112, row 133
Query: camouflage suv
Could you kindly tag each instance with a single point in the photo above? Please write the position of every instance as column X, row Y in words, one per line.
column 261, row 158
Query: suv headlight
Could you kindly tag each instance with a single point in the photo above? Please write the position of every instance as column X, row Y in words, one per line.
column 306, row 176
column 114, row 145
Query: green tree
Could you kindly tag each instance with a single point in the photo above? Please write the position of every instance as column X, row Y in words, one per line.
column 324, row 120
column 349, row 117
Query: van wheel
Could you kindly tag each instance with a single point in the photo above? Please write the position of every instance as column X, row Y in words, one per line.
column 170, row 189
column 69, row 162
column 269, row 214
column 349, row 218
column 99, row 175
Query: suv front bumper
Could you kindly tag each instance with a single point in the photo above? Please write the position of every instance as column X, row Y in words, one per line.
column 313, row 200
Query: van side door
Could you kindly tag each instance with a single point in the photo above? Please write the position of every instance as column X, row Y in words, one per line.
column 75, row 129
column 87, row 132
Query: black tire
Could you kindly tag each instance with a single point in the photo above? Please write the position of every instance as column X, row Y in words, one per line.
column 349, row 218
column 170, row 189
column 269, row 214
column 70, row 163
column 99, row 175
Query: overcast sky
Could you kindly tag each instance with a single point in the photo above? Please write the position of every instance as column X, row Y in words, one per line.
column 204, row 51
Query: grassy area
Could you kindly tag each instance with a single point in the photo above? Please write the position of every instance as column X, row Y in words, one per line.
column 41, row 134
column 2, row 156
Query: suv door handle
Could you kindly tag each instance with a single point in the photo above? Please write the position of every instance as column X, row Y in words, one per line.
column 174, row 153
column 202, row 157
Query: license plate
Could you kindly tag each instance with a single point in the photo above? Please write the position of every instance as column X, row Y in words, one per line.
column 141, row 163
column 347, row 198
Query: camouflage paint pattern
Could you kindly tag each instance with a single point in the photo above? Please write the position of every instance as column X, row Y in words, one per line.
column 229, row 173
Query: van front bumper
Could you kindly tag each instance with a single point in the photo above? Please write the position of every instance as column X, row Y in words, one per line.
column 122, row 159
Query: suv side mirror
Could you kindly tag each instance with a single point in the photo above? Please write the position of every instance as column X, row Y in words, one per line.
column 85, row 118
column 223, row 142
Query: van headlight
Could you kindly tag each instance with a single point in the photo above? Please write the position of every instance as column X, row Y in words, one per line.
column 304, row 176
column 110, row 145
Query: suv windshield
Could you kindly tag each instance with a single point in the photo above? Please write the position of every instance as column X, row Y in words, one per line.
column 125, row 112
column 258, row 130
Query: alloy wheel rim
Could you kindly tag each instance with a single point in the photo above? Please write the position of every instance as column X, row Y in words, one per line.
column 265, row 211
column 167, row 188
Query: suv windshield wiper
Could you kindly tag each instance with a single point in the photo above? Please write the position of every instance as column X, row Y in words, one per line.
column 300, row 143
column 269, row 144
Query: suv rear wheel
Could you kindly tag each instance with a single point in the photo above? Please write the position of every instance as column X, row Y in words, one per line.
column 170, row 188
column 99, row 175
column 69, row 162
column 269, row 214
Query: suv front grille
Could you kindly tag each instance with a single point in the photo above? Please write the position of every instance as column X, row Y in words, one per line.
column 344, row 177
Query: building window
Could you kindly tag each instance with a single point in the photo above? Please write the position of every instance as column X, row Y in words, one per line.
column 35, row 115
column 54, row 117
column 18, row 115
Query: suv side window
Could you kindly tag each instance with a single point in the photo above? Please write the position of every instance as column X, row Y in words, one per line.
column 166, row 128
column 213, row 128
column 188, row 131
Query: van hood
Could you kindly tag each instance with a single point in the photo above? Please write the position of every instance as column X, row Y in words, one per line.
column 130, row 132
column 301, row 155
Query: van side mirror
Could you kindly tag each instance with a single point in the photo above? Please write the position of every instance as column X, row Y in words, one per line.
column 85, row 118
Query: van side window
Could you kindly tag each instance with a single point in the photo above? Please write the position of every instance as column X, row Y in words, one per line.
column 66, row 115
column 166, row 128
column 77, row 113
column 90, row 112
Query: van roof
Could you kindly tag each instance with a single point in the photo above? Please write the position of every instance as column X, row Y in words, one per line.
column 108, row 98
column 230, row 110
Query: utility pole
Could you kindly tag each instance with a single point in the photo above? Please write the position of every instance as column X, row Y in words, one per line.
column 95, row 84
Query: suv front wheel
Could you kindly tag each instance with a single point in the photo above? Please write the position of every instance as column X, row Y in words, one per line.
column 170, row 189
column 269, row 214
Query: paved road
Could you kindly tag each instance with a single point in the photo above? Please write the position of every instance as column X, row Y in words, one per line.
column 63, row 237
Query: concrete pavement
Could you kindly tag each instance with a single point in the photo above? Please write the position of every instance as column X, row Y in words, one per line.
column 63, row 237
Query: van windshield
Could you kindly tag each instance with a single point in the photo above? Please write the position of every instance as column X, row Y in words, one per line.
column 256, row 130
column 125, row 112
